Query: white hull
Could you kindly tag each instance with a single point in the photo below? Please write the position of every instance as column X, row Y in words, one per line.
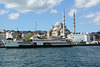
column 38, row 42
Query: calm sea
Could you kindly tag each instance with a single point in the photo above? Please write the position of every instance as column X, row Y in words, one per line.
column 78, row 56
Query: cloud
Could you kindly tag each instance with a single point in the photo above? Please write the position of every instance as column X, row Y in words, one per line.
column 3, row 12
column 89, row 15
column 37, row 6
column 71, row 12
column 95, row 18
column 13, row 16
column 86, row 3
column 53, row 11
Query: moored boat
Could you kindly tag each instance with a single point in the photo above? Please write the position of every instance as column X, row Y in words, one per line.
column 36, row 42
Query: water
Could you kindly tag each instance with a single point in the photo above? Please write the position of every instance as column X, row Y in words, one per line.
column 79, row 56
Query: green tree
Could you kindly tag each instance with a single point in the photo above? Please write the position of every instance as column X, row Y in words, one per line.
column 82, row 41
column 28, row 37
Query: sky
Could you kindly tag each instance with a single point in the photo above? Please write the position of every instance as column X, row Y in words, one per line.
column 24, row 13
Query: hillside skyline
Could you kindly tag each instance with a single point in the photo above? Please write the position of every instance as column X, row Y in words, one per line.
column 24, row 14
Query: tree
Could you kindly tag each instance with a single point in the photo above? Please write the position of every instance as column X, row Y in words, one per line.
column 28, row 37
column 82, row 41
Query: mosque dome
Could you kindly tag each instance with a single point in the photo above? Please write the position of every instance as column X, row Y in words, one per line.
column 58, row 23
column 56, row 27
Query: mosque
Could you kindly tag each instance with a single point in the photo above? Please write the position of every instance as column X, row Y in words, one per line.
column 59, row 29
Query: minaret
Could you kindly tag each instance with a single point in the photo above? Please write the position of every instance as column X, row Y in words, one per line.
column 74, row 22
column 63, row 23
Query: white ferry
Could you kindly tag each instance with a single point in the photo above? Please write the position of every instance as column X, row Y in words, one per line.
column 36, row 42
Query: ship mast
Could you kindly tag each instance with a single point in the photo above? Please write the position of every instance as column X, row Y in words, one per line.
column 17, row 33
column 35, row 31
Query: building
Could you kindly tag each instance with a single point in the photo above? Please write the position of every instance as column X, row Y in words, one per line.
column 24, row 35
column 41, row 33
column 2, row 34
column 59, row 29
column 78, row 37
column 10, row 34
column 96, row 35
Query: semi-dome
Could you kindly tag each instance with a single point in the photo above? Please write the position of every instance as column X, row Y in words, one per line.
column 58, row 23
column 55, row 28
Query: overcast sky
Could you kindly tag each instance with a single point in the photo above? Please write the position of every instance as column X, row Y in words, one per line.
column 24, row 13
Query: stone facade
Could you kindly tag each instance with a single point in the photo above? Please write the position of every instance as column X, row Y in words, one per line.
column 57, row 30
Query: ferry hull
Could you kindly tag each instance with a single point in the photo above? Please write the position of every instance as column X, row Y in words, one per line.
column 38, row 46
column 47, row 46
